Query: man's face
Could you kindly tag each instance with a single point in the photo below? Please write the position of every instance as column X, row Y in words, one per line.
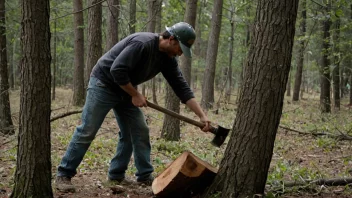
column 174, row 48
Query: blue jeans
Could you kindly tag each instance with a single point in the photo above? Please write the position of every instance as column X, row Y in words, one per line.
column 133, row 134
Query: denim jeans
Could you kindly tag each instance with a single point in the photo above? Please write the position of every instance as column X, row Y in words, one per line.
column 133, row 134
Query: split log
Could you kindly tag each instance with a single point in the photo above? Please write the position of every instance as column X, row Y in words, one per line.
column 187, row 176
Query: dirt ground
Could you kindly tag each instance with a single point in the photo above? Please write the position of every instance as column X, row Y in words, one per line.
column 296, row 157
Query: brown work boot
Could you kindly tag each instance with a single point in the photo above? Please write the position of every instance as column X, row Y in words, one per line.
column 63, row 184
column 122, row 182
column 147, row 182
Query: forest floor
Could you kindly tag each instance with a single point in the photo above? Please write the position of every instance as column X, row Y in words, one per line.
column 296, row 157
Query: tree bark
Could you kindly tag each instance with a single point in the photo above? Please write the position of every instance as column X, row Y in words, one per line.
column 152, row 13
column 158, row 16
column 94, row 36
column 155, row 80
column 171, row 126
column 133, row 21
column 113, row 23
column 244, row 168
column 350, row 96
column 190, row 18
column 207, row 100
column 33, row 167
column 197, row 52
column 6, row 126
column 288, row 85
column 78, row 75
column 152, row 10
column 228, row 84
column 246, row 44
column 300, row 55
column 53, row 81
column 325, row 84
column 336, row 70
column 12, row 66
column 350, row 76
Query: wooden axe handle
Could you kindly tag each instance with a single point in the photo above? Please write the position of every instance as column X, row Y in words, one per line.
column 178, row 116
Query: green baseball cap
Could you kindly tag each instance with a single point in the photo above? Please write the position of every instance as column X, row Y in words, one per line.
column 185, row 34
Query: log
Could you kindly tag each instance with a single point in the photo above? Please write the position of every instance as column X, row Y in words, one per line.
column 326, row 182
column 187, row 176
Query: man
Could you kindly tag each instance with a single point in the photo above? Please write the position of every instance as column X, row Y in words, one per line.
column 132, row 61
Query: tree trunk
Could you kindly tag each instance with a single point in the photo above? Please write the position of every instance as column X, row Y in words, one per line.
column 244, row 168
column 246, row 44
column 212, row 52
column 158, row 16
column 6, row 126
column 325, row 84
column 155, row 80
column 171, row 125
column 13, row 66
column 33, row 167
column 78, row 75
column 197, row 48
column 288, row 85
column 153, row 7
column 133, row 21
column 228, row 84
column 300, row 58
column 94, row 36
column 350, row 76
column 152, row 10
column 350, row 79
column 336, row 70
column 190, row 18
column 53, row 81
column 113, row 19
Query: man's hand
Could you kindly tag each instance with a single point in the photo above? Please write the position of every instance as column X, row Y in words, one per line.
column 195, row 107
column 207, row 122
column 139, row 100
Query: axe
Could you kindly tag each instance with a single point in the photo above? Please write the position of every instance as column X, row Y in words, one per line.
column 220, row 132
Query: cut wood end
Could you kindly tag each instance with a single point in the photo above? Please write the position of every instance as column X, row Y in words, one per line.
column 188, row 165
column 169, row 173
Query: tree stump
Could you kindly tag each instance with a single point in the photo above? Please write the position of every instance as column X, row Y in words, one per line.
column 187, row 176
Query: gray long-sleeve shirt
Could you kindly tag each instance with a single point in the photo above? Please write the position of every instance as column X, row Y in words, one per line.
column 136, row 59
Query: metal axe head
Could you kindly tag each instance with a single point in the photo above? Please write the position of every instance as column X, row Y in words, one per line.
column 220, row 136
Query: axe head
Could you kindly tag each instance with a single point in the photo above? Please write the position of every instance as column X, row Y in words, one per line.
column 220, row 136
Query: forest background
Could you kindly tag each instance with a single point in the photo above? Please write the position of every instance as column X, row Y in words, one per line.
column 315, row 128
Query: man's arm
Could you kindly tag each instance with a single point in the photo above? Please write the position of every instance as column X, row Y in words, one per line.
column 138, row 99
column 195, row 107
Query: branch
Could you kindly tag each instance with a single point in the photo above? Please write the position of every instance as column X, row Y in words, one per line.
column 65, row 114
column 326, row 182
column 318, row 4
column 77, row 11
column 338, row 137
column 3, row 144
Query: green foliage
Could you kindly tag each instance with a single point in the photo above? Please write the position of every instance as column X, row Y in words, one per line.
column 326, row 143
